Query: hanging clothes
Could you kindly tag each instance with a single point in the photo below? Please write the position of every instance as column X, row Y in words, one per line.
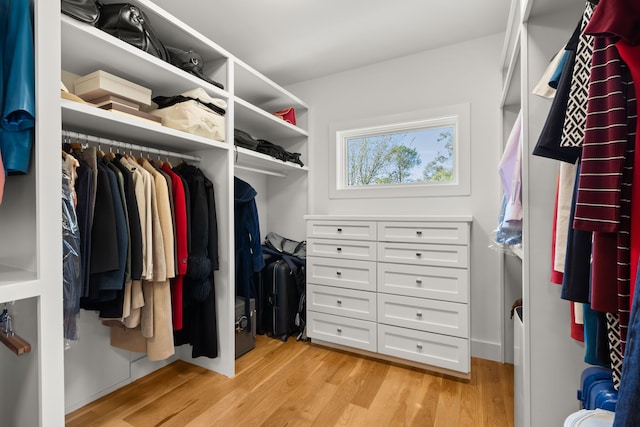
column 71, row 261
column 199, row 306
column 182, row 250
column 17, row 85
column 549, row 143
column 248, row 249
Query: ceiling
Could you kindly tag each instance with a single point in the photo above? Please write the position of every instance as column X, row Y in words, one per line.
column 297, row 40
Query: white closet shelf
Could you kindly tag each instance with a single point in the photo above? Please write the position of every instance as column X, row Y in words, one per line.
column 17, row 284
column 257, row 89
column 95, row 121
column 123, row 60
column 264, row 125
column 259, row 162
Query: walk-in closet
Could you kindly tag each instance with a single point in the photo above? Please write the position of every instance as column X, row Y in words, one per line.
column 410, row 292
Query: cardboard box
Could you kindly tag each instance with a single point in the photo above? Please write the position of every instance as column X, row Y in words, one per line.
column 100, row 83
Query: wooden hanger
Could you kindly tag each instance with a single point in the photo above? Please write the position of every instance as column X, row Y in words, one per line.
column 15, row 343
column 9, row 338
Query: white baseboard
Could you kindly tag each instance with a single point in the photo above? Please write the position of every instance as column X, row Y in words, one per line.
column 137, row 369
column 486, row 350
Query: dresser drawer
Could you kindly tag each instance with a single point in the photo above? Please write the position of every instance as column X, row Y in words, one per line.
column 424, row 347
column 360, row 275
column 436, row 255
column 349, row 230
column 341, row 330
column 442, row 283
column 442, row 317
column 343, row 302
column 453, row 233
column 351, row 249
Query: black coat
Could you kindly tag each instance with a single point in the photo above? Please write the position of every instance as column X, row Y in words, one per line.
column 200, row 327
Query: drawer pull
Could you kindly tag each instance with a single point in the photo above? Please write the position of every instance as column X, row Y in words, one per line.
column 418, row 314
column 419, row 233
column 418, row 282
column 338, row 273
column 339, row 249
column 339, row 301
column 419, row 346
column 339, row 330
column 418, row 254
column 339, row 230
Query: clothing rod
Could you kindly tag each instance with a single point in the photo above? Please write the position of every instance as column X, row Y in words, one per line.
column 127, row 146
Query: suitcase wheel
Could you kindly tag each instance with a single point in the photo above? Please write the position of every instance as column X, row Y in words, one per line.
column 284, row 337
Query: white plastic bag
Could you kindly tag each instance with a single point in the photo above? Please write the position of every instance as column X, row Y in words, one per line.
column 193, row 117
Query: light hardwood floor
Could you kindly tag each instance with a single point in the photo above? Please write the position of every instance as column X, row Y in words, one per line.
column 299, row 384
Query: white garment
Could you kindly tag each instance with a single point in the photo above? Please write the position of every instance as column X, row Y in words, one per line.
column 565, row 196
column 542, row 88
column 510, row 170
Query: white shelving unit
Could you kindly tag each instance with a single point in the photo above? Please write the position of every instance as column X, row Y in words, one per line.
column 548, row 362
column 31, row 252
column 48, row 381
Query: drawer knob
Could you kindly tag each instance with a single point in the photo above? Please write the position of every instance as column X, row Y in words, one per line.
column 418, row 314
column 339, row 249
column 418, row 254
column 339, row 301
column 339, row 330
column 419, row 233
column 419, row 346
column 418, row 282
column 339, row 273
column 339, row 230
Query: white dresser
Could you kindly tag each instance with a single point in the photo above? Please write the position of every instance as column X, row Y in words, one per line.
column 394, row 287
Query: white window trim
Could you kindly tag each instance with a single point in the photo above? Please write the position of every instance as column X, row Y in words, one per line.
column 456, row 115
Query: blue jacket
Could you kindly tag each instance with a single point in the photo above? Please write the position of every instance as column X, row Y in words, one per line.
column 17, row 85
column 248, row 249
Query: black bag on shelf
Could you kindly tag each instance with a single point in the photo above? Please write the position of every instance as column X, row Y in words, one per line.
column 82, row 10
column 278, row 152
column 244, row 139
column 128, row 23
column 191, row 62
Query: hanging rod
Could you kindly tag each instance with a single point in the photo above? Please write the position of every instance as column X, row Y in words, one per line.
column 127, row 146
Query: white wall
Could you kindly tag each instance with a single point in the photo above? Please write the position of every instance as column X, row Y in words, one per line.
column 466, row 72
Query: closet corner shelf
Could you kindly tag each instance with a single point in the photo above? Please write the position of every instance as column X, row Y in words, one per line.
column 260, row 162
column 87, row 119
column 264, row 125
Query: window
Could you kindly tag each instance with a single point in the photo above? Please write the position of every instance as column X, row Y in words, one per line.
column 417, row 154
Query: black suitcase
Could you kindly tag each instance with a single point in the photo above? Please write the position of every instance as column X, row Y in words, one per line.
column 280, row 300
column 261, row 294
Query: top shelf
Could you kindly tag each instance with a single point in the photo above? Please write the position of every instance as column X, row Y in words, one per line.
column 253, row 87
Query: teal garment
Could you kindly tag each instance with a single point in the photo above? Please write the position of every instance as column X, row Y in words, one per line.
column 17, row 85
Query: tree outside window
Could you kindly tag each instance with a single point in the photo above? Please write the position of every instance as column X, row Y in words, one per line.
column 417, row 156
